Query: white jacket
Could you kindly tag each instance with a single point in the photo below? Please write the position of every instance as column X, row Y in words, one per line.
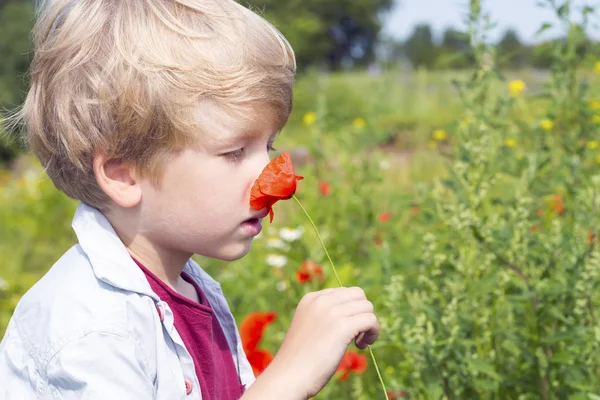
column 90, row 329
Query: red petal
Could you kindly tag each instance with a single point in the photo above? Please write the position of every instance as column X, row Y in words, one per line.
column 252, row 329
column 259, row 360
column 276, row 182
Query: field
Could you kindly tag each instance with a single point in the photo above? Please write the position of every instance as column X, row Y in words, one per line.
column 468, row 212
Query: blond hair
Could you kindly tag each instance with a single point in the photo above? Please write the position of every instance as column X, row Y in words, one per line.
column 130, row 79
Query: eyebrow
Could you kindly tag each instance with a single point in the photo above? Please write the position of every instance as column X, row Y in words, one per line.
column 245, row 134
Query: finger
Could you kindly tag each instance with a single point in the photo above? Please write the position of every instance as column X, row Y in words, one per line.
column 353, row 307
column 369, row 327
column 345, row 294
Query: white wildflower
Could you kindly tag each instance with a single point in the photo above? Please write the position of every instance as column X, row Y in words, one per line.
column 275, row 243
column 291, row 235
column 384, row 164
column 281, row 286
column 3, row 284
column 277, row 261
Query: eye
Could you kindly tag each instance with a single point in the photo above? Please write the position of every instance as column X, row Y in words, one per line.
column 235, row 155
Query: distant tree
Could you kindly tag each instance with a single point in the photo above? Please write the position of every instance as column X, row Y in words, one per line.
column 16, row 21
column 511, row 52
column 542, row 55
column 455, row 50
column 330, row 32
column 419, row 47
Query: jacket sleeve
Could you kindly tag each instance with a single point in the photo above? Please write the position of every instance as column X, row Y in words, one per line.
column 99, row 365
column 19, row 378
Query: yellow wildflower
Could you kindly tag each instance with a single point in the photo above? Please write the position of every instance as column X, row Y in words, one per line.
column 597, row 159
column 546, row 124
column 592, row 145
column 440, row 134
column 520, row 156
column 390, row 370
column 516, row 87
column 359, row 123
column 510, row 143
column 597, row 67
column 595, row 104
column 466, row 121
column 309, row 118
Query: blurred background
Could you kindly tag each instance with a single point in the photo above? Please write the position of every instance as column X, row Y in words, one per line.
column 451, row 156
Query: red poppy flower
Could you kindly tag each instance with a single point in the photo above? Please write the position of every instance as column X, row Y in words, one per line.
column 557, row 205
column 253, row 327
column 395, row 395
column 591, row 236
column 252, row 330
column 378, row 239
column 259, row 360
column 309, row 270
column 534, row 228
column 324, row 188
column 385, row 216
column 352, row 362
column 276, row 182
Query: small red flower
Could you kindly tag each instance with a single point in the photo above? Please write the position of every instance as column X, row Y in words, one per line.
column 534, row 228
column 557, row 205
column 276, row 182
column 395, row 395
column 378, row 239
column 308, row 271
column 385, row 216
column 591, row 236
column 324, row 188
column 252, row 330
column 352, row 362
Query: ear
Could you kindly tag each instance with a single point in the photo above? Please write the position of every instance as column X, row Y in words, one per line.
column 117, row 180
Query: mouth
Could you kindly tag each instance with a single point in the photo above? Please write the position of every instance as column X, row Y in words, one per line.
column 253, row 226
column 264, row 212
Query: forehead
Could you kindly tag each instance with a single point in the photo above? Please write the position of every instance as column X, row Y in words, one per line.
column 221, row 127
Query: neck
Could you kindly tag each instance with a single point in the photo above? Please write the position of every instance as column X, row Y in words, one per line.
column 163, row 262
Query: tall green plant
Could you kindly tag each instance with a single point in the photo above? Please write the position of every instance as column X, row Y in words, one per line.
column 505, row 304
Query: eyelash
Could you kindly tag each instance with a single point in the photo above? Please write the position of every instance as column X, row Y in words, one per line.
column 236, row 155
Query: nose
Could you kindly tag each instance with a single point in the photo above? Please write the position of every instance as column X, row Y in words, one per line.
column 262, row 162
column 257, row 168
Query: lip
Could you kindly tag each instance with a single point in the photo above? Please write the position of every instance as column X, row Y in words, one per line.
column 264, row 212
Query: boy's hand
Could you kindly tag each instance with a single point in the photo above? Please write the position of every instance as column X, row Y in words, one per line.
column 324, row 324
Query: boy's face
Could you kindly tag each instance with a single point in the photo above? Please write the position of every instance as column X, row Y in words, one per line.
column 202, row 205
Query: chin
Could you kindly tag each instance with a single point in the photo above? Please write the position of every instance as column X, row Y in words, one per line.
column 232, row 252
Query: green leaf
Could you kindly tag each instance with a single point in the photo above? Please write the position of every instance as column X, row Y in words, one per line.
column 511, row 348
column 483, row 367
column 563, row 10
column 545, row 26
column 434, row 391
column 563, row 358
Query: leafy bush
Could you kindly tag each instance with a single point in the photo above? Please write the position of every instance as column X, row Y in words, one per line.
column 469, row 215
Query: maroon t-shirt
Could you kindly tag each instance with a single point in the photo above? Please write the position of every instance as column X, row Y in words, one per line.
column 203, row 337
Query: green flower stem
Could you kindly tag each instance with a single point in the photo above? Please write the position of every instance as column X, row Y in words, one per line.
column 340, row 283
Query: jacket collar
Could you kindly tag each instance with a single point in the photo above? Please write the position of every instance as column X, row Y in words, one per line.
column 112, row 263
column 110, row 260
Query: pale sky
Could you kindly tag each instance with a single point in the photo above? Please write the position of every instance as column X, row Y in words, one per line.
column 522, row 15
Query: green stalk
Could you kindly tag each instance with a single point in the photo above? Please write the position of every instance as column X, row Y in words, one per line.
column 340, row 283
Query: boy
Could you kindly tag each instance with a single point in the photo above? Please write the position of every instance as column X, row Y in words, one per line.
column 158, row 115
